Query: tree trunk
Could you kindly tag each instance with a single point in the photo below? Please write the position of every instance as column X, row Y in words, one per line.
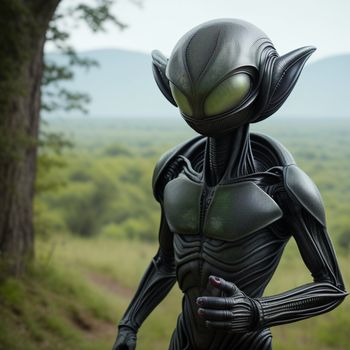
column 23, row 25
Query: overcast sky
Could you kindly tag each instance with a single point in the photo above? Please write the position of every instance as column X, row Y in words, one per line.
column 158, row 24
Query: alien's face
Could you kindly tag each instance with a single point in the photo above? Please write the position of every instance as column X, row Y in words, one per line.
column 213, row 75
column 226, row 73
column 224, row 107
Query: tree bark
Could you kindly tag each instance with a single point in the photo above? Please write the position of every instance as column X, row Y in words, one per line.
column 23, row 25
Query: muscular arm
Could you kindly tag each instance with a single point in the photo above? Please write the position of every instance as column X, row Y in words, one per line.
column 156, row 283
column 238, row 312
column 327, row 290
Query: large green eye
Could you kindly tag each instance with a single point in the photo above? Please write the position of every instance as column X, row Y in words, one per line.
column 181, row 100
column 227, row 95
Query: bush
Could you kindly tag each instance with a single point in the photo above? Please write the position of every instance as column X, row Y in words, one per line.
column 344, row 239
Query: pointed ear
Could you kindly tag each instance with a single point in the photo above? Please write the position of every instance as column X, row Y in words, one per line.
column 285, row 73
column 159, row 63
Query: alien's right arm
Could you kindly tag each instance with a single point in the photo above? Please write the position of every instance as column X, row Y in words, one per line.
column 160, row 276
column 156, row 283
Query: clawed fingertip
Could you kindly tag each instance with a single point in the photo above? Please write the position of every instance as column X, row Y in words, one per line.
column 200, row 312
column 215, row 281
column 199, row 301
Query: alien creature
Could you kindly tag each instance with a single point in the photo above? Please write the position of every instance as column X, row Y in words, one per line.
column 230, row 200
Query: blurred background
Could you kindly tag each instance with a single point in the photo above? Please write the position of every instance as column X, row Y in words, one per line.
column 82, row 126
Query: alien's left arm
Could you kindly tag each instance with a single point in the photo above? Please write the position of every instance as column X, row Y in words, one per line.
column 308, row 224
column 239, row 313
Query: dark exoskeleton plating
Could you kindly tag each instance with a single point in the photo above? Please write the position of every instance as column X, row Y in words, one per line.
column 231, row 199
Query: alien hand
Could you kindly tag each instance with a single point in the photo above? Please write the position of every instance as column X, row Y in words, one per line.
column 126, row 339
column 235, row 312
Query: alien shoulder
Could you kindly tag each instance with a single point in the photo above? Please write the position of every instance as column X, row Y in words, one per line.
column 303, row 191
column 159, row 171
column 170, row 164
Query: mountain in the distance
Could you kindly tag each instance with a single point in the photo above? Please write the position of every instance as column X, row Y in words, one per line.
column 322, row 89
column 123, row 86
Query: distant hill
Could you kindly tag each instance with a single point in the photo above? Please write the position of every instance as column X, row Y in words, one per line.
column 322, row 90
column 123, row 86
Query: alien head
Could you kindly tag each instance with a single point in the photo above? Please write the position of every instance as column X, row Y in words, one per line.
column 226, row 73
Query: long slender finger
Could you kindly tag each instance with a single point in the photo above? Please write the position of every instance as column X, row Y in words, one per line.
column 218, row 325
column 228, row 287
column 215, row 303
column 215, row 315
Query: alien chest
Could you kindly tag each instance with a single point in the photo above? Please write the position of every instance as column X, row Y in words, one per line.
column 225, row 212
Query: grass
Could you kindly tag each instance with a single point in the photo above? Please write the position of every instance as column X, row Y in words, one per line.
column 77, row 290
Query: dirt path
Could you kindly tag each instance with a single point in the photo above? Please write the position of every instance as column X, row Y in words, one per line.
column 95, row 329
column 110, row 284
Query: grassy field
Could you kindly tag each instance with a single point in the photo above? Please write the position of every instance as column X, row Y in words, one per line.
column 78, row 289
column 96, row 224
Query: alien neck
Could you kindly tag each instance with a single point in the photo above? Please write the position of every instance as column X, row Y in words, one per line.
column 228, row 155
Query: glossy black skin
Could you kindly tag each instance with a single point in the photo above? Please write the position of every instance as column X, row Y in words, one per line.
column 230, row 201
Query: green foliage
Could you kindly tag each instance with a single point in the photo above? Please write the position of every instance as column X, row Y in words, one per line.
column 85, row 205
column 52, row 146
column 115, row 150
column 344, row 239
column 12, row 293
column 104, row 192
column 96, row 17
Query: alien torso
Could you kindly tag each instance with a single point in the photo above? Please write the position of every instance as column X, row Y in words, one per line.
column 217, row 229
column 234, row 229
